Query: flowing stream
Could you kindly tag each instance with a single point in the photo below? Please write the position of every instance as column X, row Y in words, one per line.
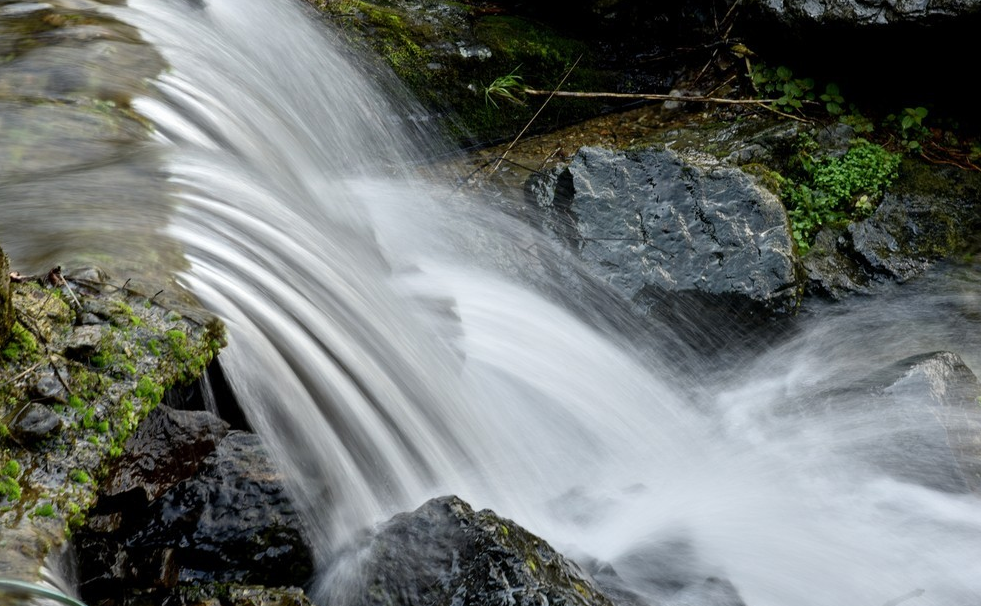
column 393, row 340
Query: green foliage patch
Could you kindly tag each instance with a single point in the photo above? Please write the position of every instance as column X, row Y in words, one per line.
column 833, row 190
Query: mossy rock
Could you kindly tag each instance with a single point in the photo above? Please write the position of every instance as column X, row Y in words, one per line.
column 448, row 53
column 6, row 306
column 86, row 362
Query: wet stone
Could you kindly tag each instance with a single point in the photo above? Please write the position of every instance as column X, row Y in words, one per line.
column 84, row 342
column 49, row 386
column 37, row 422
column 168, row 447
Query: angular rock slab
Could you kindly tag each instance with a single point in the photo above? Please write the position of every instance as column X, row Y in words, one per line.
column 652, row 222
column 445, row 554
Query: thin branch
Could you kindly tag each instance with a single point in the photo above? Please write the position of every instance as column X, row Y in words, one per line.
column 650, row 97
column 554, row 93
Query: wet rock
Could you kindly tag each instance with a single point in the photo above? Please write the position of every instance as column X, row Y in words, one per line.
column 50, row 387
column 942, row 447
column 445, row 553
column 656, row 225
column 168, row 447
column 932, row 213
column 37, row 422
column 83, row 342
column 232, row 522
column 927, row 422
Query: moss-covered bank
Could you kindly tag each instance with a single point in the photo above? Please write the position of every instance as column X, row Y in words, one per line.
column 86, row 360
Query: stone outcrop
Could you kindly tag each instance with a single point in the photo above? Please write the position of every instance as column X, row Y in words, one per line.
column 445, row 553
column 85, row 363
column 658, row 226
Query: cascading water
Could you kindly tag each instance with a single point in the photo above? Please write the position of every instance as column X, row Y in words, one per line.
column 390, row 343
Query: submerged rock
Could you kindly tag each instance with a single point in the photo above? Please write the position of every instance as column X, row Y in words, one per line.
column 446, row 554
column 935, row 398
column 659, row 226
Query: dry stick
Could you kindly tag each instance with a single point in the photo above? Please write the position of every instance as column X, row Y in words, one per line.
column 658, row 97
column 540, row 109
column 650, row 97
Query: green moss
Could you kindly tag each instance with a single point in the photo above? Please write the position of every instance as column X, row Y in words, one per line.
column 10, row 469
column 44, row 510
column 10, row 489
column 149, row 391
column 80, row 476
column 21, row 346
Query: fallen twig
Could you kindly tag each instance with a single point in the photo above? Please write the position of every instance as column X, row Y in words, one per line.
column 533, row 118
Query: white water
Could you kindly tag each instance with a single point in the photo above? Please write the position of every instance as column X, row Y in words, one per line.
column 388, row 341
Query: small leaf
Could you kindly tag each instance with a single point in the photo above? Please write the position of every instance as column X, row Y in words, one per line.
column 784, row 73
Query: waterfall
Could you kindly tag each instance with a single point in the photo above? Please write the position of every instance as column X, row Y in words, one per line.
column 392, row 340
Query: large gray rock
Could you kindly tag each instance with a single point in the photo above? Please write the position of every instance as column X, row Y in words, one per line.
column 445, row 554
column 867, row 12
column 656, row 225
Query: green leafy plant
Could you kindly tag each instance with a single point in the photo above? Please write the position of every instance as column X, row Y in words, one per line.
column 908, row 125
column 789, row 93
column 507, row 87
column 832, row 99
column 830, row 190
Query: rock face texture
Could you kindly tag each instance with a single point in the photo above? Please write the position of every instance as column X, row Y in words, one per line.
column 228, row 521
column 445, row 553
column 655, row 224
column 864, row 12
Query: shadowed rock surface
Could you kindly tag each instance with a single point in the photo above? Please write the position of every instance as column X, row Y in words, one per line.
column 445, row 554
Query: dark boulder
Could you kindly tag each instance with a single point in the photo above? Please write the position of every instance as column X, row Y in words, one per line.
column 168, row 447
column 660, row 227
column 231, row 523
column 445, row 554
